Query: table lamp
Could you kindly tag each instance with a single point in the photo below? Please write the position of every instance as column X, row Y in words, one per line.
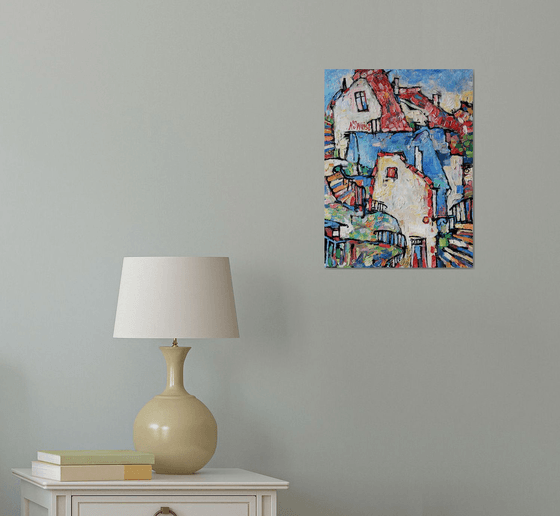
column 174, row 298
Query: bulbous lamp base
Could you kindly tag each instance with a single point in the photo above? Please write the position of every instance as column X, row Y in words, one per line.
column 175, row 426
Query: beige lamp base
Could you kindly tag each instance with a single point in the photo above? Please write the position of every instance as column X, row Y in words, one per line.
column 175, row 426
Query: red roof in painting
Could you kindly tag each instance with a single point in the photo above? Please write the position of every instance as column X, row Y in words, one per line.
column 392, row 117
column 436, row 117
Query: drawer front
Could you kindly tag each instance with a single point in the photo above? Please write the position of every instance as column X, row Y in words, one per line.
column 149, row 505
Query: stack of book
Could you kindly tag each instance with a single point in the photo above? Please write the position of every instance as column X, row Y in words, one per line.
column 85, row 465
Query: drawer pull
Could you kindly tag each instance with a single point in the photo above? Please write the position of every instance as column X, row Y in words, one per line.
column 165, row 510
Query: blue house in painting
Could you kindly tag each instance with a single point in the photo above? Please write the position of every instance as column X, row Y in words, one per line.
column 426, row 149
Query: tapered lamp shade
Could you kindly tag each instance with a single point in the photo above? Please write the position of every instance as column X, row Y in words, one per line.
column 176, row 297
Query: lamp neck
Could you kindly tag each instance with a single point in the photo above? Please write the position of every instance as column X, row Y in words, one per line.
column 175, row 359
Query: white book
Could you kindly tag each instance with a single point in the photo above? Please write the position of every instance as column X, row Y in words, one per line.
column 95, row 457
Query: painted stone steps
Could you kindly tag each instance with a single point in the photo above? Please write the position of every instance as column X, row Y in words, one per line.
column 329, row 139
column 449, row 260
column 459, row 243
column 465, row 237
column 459, row 250
column 458, row 257
column 461, row 255
column 339, row 188
column 342, row 188
column 347, row 198
column 462, row 252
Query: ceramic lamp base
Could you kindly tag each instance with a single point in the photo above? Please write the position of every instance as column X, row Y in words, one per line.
column 175, row 426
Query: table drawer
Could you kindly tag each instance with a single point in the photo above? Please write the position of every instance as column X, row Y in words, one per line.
column 217, row 505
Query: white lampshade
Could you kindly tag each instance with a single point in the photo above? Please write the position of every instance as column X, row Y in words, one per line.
column 176, row 297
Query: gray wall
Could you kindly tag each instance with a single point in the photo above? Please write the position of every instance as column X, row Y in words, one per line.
column 133, row 128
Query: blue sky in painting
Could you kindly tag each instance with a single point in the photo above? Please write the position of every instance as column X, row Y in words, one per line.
column 431, row 81
column 333, row 79
column 453, row 81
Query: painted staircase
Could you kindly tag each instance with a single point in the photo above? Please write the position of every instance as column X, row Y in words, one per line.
column 459, row 250
column 329, row 138
column 346, row 191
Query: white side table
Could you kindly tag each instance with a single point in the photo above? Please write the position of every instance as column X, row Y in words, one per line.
column 210, row 492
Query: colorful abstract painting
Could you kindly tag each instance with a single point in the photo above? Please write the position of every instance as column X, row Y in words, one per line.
column 398, row 168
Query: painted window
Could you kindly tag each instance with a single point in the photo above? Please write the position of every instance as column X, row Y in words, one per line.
column 361, row 100
column 391, row 173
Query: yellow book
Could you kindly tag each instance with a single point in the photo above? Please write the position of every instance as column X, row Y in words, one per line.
column 63, row 457
column 77, row 473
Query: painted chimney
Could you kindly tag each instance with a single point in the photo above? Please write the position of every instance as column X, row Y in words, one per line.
column 396, row 85
column 435, row 99
column 344, row 87
column 418, row 159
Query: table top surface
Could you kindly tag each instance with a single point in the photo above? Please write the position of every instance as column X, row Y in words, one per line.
column 206, row 478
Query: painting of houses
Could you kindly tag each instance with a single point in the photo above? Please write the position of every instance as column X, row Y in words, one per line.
column 398, row 176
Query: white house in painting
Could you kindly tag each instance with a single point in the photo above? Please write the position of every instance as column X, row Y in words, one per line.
column 454, row 174
column 409, row 197
column 414, row 114
column 356, row 110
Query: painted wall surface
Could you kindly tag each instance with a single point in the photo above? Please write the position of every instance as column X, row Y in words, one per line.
column 138, row 128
